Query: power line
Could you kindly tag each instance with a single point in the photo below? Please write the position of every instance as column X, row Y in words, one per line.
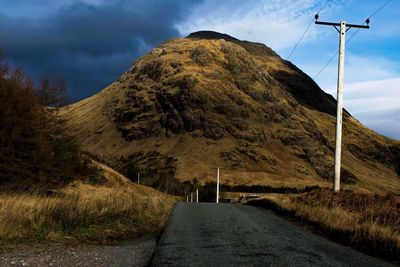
column 301, row 38
column 334, row 56
column 326, row 65
column 368, row 19
column 304, row 33
column 351, row 37
column 379, row 9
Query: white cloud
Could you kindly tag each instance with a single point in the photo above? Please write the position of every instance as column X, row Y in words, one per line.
column 357, row 69
column 368, row 68
column 376, row 104
column 386, row 122
column 277, row 23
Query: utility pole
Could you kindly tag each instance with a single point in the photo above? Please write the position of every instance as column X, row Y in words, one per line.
column 197, row 195
column 217, row 197
column 138, row 177
column 191, row 197
column 344, row 27
column 187, row 198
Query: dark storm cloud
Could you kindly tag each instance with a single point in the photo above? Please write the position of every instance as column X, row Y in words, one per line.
column 89, row 45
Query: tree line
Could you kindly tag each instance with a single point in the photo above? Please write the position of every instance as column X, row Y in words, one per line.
column 34, row 144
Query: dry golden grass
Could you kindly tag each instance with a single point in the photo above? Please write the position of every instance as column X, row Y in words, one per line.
column 83, row 211
column 366, row 221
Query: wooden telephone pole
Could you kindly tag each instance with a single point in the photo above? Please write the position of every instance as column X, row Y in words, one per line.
column 217, row 197
column 344, row 27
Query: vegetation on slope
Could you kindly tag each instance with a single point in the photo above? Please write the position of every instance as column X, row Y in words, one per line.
column 33, row 140
column 365, row 221
column 114, row 208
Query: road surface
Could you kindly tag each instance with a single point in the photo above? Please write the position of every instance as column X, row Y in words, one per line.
column 208, row 234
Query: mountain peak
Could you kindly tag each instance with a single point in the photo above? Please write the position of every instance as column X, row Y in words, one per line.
column 211, row 35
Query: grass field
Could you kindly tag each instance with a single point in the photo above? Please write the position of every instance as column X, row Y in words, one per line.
column 365, row 221
column 83, row 211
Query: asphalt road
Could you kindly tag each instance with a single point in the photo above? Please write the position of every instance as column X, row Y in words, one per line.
column 208, row 234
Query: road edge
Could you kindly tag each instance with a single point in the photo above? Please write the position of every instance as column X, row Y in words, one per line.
column 318, row 229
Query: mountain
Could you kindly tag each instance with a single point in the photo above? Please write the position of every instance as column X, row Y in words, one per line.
column 210, row 100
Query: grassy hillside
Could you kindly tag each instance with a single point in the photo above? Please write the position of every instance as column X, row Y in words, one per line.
column 112, row 208
column 193, row 104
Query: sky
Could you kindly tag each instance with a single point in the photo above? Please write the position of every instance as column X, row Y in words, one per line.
column 90, row 43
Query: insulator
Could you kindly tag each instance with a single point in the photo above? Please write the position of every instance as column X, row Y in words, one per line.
column 316, row 16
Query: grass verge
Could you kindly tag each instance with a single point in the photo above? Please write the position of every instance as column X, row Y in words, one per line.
column 83, row 211
column 367, row 222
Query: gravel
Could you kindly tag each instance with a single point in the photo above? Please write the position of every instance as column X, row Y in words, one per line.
column 132, row 253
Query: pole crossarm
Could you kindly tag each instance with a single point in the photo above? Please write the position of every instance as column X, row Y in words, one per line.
column 335, row 24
